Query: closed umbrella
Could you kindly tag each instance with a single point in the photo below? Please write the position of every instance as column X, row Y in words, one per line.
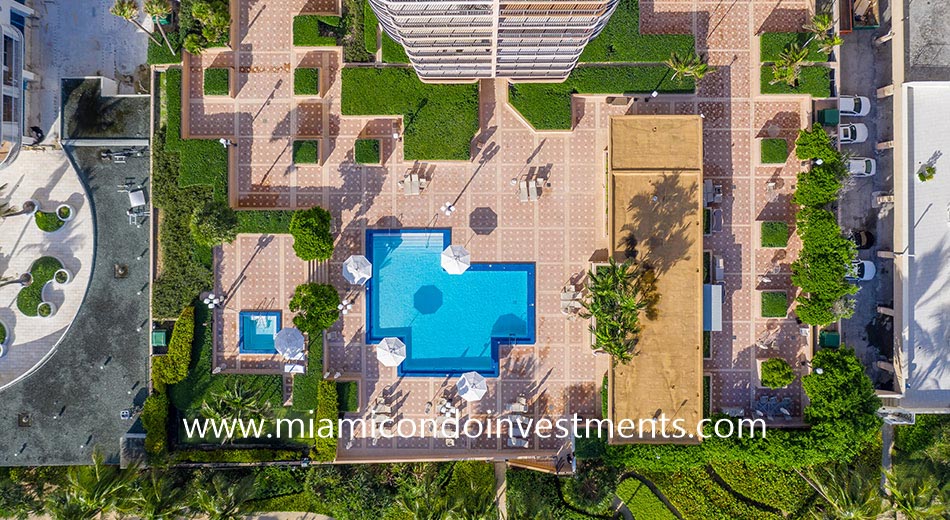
column 472, row 386
column 391, row 352
column 456, row 259
column 289, row 342
column 357, row 270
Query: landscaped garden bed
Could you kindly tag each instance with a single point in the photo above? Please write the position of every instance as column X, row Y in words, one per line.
column 314, row 30
column 30, row 297
column 547, row 106
column 306, row 152
column 48, row 222
column 814, row 80
column 3, row 334
column 307, row 82
column 707, row 344
column 774, row 151
column 774, row 304
column 621, row 40
column 428, row 134
column 774, row 234
column 216, row 81
column 772, row 44
column 366, row 151
column 393, row 51
column 348, row 396
column 370, row 26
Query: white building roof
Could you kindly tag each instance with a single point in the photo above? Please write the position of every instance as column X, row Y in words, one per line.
column 926, row 346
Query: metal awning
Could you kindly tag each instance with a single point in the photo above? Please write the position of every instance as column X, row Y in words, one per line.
column 712, row 307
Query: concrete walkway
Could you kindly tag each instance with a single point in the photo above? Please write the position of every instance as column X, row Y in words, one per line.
column 501, row 489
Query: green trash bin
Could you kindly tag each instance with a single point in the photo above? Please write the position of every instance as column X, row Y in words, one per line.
column 829, row 339
column 829, row 117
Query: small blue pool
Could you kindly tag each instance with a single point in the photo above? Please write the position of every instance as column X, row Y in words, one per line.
column 449, row 323
column 257, row 329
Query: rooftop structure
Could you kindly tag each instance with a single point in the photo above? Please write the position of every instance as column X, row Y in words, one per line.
column 452, row 41
column 655, row 174
column 13, row 17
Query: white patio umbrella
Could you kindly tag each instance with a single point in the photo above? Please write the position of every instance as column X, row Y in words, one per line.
column 289, row 342
column 357, row 270
column 456, row 259
column 472, row 386
column 391, row 352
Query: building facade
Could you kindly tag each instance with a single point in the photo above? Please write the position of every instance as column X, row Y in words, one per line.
column 522, row 41
column 13, row 26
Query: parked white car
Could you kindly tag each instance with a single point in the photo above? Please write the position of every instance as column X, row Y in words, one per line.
column 861, row 271
column 862, row 167
column 855, row 106
column 852, row 133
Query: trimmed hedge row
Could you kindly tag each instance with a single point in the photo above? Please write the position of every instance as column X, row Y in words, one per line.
column 251, row 455
column 172, row 367
column 155, row 422
column 324, row 448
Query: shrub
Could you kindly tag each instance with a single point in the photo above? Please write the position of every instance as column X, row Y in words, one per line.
column 813, row 80
column 842, row 400
column 48, row 222
column 214, row 223
column 61, row 276
column 772, row 45
column 305, row 386
column 815, row 144
column 707, row 221
column 325, row 447
column 306, row 152
column 774, row 304
column 316, row 307
column 367, row 151
column 307, row 32
column 774, row 151
column 774, row 234
column 776, row 487
column 621, row 40
column 213, row 19
column 428, row 134
column 821, row 267
column 776, row 373
column 370, row 23
column 236, row 455
column 605, row 397
column 45, row 309
column 311, row 231
column 307, row 82
column 155, row 422
column 354, row 39
column 64, row 212
column 818, row 186
column 172, row 367
column 3, row 334
column 926, row 173
column 393, row 51
column 42, row 271
column 217, row 82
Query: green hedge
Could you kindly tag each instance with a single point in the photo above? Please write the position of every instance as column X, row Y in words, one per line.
column 814, row 80
column 774, row 151
column 393, row 51
column 772, row 44
column 171, row 368
column 305, row 385
column 428, row 133
column 547, row 106
column 48, row 222
column 367, row 151
column 707, row 344
column 348, row 396
column 324, row 448
column 774, row 304
column 370, row 22
column 641, row 500
column 30, row 297
column 621, row 40
column 307, row 32
column 155, row 422
column 307, row 82
column 774, row 234
column 237, row 455
column 217, row 82
column 306, row 152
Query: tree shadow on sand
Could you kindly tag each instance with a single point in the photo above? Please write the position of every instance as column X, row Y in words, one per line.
column 657, row 230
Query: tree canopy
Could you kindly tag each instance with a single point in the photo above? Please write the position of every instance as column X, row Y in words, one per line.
column 311, row 231
column 618, row 292
column 316, row 307
column 214, row 223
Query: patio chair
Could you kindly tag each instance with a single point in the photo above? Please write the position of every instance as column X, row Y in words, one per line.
column 523, row 191
column 517, row 408
column 450, row 442
column 715, row 224
column 719, row 269
column 533, row 192
column 514, row 442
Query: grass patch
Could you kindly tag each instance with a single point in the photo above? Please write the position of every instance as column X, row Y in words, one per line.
column 306, row 152
column 780, row 488
column 307, row 32
column 696, row 495
column 29, row 297
column 547, row 106
column 348, row 396
column 370, row 23
column 774, row 151
column 707, row 261
column 707, row 344
column 160, row 55
column 429, row 134
column 217, row 82
column 774, row 234
column 774, row 304
column 393, row 51
column 48, row 222
column 772, row 44
column 621, row 40
column 367, row 151
column 707, row 219
column 641, row 499
column 814, row 80
column 307, row 82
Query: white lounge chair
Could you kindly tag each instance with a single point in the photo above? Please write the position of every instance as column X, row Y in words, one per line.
column 514, row 442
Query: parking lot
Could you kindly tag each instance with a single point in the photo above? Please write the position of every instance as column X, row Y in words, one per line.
column 864, row 68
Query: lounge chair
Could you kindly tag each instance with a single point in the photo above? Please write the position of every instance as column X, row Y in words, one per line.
column 382, row 409
column 514, row 442
column 517, row 408
column 715, row 224
column 523, row 191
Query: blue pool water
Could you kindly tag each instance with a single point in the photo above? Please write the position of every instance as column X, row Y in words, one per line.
column 450, row 323
column 257, row 330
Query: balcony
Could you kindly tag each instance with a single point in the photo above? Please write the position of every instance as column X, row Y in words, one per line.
column 11, row 101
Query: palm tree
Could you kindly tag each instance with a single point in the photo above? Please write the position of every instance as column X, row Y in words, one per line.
column 158, row 9
column 789, row 65
column 91, row 490
column 820, row 24
column 615, row 304
column 156, row 497
column 236, row 401
column 829, row 43
column 690, row 65
column 915, row 499
column 6, row 210
column 848, row 493
column 222, row 499
column 128, row 10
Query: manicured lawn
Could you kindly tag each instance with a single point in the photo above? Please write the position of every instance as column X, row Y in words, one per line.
column 307, row 32
column 428, row 134
column 772, row 44
column 160, row 55
column 774, row 151
column 47, row 222
column 547, row 106
column 367, row 151
column 774, row 234
column 781, row 489
column 348, row 396
column 393, row 52
column 306, row 152
column 641, row 499
column 370, row 23
column 814, row 80
column 307, row 82
column 696, row 495
column 216, row 82
column 31, row 296
column 621, row 40
column 774, row 304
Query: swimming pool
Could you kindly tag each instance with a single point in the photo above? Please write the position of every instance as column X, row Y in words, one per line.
column 257, row 331
column 450, row 323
